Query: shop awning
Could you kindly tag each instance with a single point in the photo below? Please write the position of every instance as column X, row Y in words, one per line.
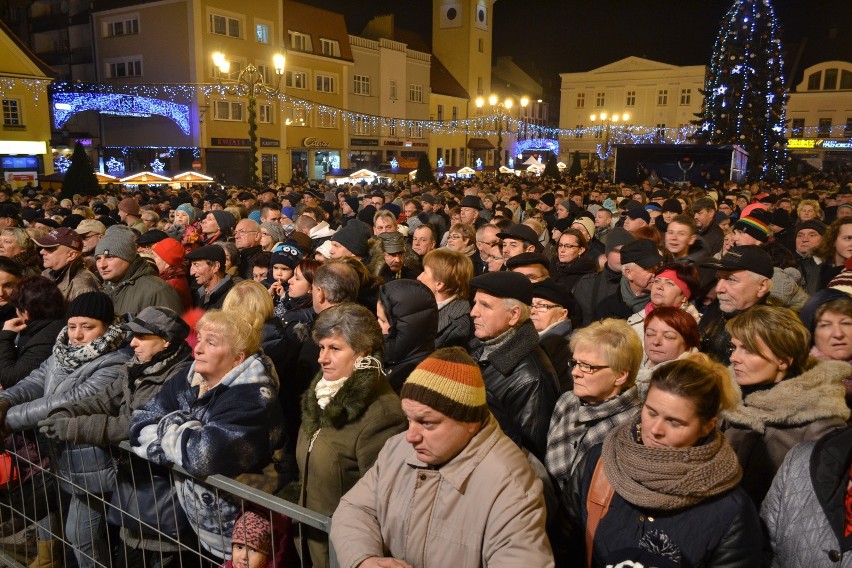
column 480, row 144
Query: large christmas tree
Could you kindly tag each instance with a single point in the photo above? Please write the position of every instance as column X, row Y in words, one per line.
column 744, row 97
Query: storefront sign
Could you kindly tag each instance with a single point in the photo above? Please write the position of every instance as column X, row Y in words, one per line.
column 364, row 142
column 230, row 142
column 393, row 143
column 312, row 142
column 270, row 143
column 84, row 141
column 809, row 144
column 19, row 162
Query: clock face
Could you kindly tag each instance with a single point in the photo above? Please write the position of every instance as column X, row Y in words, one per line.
column 451, row 15
column 480, row 16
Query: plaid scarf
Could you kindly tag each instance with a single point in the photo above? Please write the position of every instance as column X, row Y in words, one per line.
column 575, row 428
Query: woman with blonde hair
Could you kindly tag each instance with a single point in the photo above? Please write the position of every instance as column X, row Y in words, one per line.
column 219, row 416
column 808, row 210
column 17, row 246
column 784, row 395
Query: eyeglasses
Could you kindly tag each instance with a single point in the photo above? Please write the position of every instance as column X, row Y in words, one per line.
column 540, row 307
column 567, row 247
column 244, row 232
column 262, row 234
column 586, row 368
column 452, row 236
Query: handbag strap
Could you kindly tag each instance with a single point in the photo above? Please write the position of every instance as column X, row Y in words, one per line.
column 597, row 505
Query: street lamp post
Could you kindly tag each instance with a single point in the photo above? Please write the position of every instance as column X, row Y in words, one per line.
column 250, row 83
column 606, row 121
column 497, row 109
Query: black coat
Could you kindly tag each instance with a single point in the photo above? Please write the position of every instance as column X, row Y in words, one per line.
column 554, row 341
column 454, row 325
column 34, row 346
column 568, row 274
column 591, row 290
column 412, row 313
column 521, row 388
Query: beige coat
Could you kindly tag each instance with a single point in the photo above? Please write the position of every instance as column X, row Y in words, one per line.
column 483, row 508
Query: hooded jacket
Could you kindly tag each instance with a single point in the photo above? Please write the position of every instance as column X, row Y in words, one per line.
column 766, row 424
column 412, row 313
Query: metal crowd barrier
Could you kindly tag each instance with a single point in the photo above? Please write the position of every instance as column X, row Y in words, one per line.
column 130, row 537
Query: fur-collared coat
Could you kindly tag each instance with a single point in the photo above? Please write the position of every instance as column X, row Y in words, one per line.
column 338, row 444
column 411, row 262
column 765, row 425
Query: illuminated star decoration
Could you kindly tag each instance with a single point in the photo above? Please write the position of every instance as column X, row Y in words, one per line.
column 440, row 163
column 394, row 163
column 114, row 166
column 157, row 166
column 61, row 164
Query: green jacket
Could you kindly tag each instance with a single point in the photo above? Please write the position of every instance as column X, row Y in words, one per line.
column 141, row 287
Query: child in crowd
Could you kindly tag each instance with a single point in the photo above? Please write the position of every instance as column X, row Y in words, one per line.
column 285, row 257
column 251, row 542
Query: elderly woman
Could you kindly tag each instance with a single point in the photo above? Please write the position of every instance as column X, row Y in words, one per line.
column 784, row 396
column 348, row 413
column 408, row 317
column 670, row 334
column 607, row 355
column 271, row 233
column 86, row 358
column 27, row 340
column 16, row 245
column 673, row 285
column 447, row 274
column 462, row 238
column 218, row 416
column 570, row 264
column 654, row 517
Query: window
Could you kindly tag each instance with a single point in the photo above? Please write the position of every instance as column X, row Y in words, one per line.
column 325, row 119
column 392, row 128
column 125, row 26
column 581, row 100
column 392, row 89
column 297, row 79
column 415, row 93
column 846, row 80
column 798, row 127
column 661, row 131
column 440, row 112
column 631, row 98
column 360, row 125
column 361, row 85
column 261, row 32
column 300, row 42
column 265, row 73
column 848, row 130
column 452, row 157
column 326, row 84
column 233, row 73
column 479, row 86
column 579, row 130
column 227, row 110
column 685, row 96
column 439, row 154
column 824, row 128
column 814, row 80
column 330, row 47
column 264, row 113
column 481, row 45
column 600, row 100
column 124, row 68
column 296, row 116
column 455, row 113
column 223, row 25
column 12, row 112
column 830, row 83
column 662, row 97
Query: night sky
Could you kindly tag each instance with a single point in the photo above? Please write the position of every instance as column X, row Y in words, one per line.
column 551, row 36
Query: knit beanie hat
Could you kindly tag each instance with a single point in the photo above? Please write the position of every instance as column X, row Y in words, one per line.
column 352, row 202
column 275, row 230
column 450, row 382
column 119, row 241
column 253, row 531
column 225, row 220
column 354, row 237
column 286, row 254
column 189, row 210
column 753, row 226
column 95, row 305
column 170, row 250
column 586, row 223
column 129, row 205
column 843, row 281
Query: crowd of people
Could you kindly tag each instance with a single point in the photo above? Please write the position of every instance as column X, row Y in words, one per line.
column 470, row 372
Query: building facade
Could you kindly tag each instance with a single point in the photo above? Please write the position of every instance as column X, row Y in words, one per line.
column 660, row 101
column 819, row 116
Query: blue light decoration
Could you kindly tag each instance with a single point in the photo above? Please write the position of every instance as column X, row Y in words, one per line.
column 440, row 163
column 537, row 144
column 394, row 163
column 745, row 95
column 66, row 104
column 61, row 163
column 157, row 166
column 511, row 163
column 479, row 163
column 113, row 166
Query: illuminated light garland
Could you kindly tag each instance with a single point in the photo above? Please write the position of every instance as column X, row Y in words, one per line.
column 35, row 86
column 66, row 104
column 61, row 163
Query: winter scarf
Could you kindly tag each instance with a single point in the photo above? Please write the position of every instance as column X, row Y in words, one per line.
column 162, row 360
column 505, row 351
column 69, row 357
column 631, row 300
column 666, row 479
column 30, row 259
column 814, row 395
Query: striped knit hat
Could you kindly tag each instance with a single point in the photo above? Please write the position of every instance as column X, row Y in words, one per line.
column 450, row 382
column 755, row 225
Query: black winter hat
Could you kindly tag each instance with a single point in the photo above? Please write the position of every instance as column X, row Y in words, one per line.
column 354, row 237
column 95, row 305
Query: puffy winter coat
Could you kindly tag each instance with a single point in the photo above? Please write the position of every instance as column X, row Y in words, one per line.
column 804, row 509
column 412, row 313
column 20, row 354
column 521, row 387
column 50, row 386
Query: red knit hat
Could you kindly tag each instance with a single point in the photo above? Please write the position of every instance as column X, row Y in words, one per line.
column 170, row 251
column 254, row 531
